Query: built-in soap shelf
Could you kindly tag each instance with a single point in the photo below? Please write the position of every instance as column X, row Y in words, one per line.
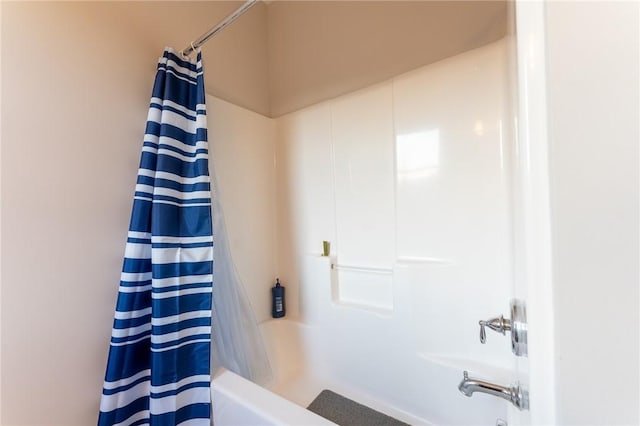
column 365, row 269
column 362, row 287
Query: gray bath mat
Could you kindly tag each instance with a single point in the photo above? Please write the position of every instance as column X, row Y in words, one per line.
column 346, row 412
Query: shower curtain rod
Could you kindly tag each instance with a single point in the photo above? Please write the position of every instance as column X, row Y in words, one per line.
column 213, row 31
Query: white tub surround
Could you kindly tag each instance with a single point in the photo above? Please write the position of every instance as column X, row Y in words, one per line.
column 411, row 182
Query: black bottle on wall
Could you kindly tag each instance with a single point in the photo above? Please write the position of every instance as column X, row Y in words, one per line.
column 277, row 300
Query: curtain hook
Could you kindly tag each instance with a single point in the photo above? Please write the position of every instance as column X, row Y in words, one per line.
column 186, row 57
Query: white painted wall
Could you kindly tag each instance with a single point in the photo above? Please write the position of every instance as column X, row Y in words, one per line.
column 75, row 95
column 593, row 71
column 72, row 123
column 1, row 6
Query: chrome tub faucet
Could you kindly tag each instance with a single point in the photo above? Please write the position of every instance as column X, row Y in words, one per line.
column 514, row 393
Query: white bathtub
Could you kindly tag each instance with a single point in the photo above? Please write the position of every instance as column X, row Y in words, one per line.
column 299, row 376
column 370, row 356
column 239, row 402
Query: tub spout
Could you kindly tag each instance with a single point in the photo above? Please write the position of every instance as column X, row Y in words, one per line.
column 514, row 393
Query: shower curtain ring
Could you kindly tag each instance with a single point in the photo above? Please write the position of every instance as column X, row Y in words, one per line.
column 186, row 57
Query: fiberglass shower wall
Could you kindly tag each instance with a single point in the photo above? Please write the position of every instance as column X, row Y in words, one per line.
column 410, row 181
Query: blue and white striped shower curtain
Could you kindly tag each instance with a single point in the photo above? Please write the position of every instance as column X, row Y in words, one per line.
column 158, row 370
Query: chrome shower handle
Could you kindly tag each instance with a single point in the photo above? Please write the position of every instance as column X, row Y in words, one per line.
column 517, row 325
column 498, row 324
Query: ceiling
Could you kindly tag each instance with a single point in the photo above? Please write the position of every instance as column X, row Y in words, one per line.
column 281, row 56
